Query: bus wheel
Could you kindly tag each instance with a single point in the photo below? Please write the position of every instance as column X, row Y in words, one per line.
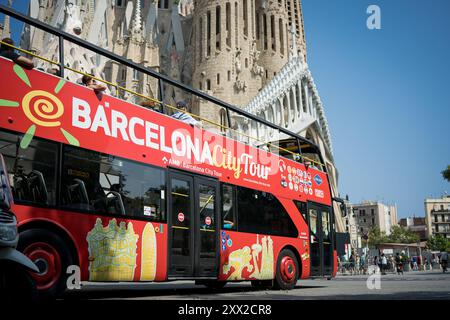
column 287, row 270
column 51, row 255
column 211, row 284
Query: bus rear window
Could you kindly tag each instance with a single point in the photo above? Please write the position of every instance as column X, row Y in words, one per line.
column 103, row 183
column 31, row 168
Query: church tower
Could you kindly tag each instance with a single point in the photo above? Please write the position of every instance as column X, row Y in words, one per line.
column 225, row 59
column 239, row 46
column 5, row 31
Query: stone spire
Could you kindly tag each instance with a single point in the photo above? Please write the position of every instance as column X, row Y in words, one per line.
column 6, row 29
column 137, row 20
column 294, row 50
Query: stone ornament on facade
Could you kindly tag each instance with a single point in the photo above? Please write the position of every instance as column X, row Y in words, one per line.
column 240, row 85
column 237, row 60
column 293, row 73
column 257, row 70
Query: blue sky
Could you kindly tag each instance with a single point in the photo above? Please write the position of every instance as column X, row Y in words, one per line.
column 386, row 95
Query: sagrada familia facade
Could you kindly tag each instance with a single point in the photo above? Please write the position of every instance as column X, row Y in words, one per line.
column 249, row 53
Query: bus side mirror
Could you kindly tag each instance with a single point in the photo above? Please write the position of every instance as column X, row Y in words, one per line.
column 341, row 206
column 343, row 210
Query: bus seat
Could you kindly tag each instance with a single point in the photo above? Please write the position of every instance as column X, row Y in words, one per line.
column 77, row 196
column 114, row 203
column 37, row 187
column 21, row 190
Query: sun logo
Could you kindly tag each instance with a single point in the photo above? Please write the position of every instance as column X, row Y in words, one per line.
column 41, row 108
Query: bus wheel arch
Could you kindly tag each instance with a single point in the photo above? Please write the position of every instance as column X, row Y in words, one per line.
column 288, row 268
column 53, row 250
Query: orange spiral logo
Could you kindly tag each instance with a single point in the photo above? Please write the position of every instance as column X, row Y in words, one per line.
column 42, row 108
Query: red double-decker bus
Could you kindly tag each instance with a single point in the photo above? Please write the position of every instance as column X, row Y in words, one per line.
column 129, row 194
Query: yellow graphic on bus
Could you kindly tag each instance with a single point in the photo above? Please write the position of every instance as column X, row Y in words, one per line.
column 248, row 258
column 41, row 108
column 148, row 255
column 112, row 251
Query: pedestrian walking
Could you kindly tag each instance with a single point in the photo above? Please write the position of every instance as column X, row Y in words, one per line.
column 427, row 264
column 414, row 264
column 383, row 264
column 398, row 263
column 352, row 264
column 391, row 263
column 444, row 261
column 362, row 263
column 357, row 264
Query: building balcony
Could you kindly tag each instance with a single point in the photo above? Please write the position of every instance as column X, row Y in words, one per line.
column 440, row 211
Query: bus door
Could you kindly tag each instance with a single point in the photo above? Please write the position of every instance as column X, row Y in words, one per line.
column 193, row 215
column 320, row 224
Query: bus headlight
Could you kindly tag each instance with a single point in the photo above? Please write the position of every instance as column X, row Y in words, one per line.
column 8, row 232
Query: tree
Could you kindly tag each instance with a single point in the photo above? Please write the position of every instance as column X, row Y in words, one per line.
column 402, row 235
column 438, row 243
column 446, row 173
column 376, row 237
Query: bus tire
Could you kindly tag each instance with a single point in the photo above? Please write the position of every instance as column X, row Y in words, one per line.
column 287, row 271
column 52, row 256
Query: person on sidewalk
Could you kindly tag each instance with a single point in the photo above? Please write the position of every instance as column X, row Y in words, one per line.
column 352, row 264
column 362, row 264
column 444, row 261
column 398, row 263
column 383, row 264
column 414, row 262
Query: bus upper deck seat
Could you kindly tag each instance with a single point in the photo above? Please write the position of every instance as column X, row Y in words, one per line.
column 30, row 187
column 37, row 187
column 77, row 196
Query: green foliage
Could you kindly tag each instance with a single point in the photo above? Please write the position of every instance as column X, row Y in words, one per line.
column 398, row 235
column 402, row 235
column 446, row 173
column 438, row 243
column 376, row 237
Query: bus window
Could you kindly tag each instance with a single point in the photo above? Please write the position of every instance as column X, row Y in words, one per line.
column 32, row 169
column 114, row 185
column 310, row 154
column 326, row 226
column 261, row 212
column 313, row 220
column 301, row 206
column 287, row 148
column 228, row 210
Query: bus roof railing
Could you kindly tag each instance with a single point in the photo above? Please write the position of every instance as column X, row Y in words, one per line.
column 62, row 35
